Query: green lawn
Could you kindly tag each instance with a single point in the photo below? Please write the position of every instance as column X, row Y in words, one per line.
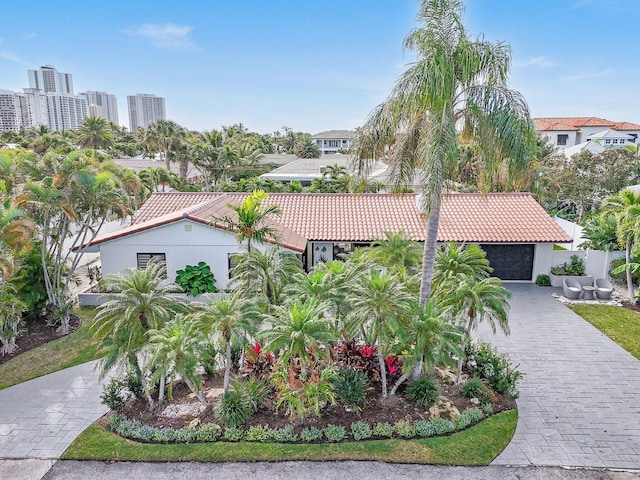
column 478, row 445
column 64, row 352
column 619, row 324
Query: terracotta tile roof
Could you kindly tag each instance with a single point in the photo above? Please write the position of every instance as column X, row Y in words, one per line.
column 478, row 218
column 543, row 124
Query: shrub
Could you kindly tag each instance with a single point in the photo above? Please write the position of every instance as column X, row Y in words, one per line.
column 114, row 394
column 254, row 389
column 423, row 428
column 574, row 267
column 235, row 408
column 476, row 388
column 208, row 358
column 233, row 434
column 350, row 386
column 334, row 433
column 383, row 429
column 361, row 430
column 485, row 361
column 404, row 429
column 196, row 279
column 284, row 434
column 622, row 276
column 209, row 432
column 543, row 280
column 424, row 391
column 441, row 426
column 469, row 417
column 184, row 435
column 311, row 434
column 256, row 362
column 259, row 433
column 134, row 384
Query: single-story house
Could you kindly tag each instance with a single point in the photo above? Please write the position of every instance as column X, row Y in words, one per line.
column 514, row 230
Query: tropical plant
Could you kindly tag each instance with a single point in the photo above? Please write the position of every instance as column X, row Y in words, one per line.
column 350, row 386
column 306, row 395
column 454, row 261
column 234, row 409
column 600, row 234
column 231, row 318
column 16, row 233
column 95, row 132
column 11, row 310
column 173, row 350
column 306, row 147
column 424, row 391
column 165, row 136
column 485, row 361
column 249, row 221
column 574, row 267
column 141, row 300
column 397, row 250
column 196, row 279
column 454, row 82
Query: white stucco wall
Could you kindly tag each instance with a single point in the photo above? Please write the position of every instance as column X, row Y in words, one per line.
column 181, row 247
column 552, row 136
column 542, row 259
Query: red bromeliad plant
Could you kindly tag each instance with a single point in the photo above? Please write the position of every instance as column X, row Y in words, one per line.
column 256, row 362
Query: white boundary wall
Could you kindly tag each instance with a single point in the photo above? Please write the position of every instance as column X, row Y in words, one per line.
column 596, row 261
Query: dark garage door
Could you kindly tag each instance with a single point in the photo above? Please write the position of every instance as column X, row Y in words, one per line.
column 510, row 262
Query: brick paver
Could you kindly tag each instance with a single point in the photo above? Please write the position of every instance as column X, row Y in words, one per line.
column 40, row 418
column 579, row 399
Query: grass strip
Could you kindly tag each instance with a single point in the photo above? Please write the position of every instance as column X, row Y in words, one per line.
column 619, row 324
column 68, row 351
column 478, row 445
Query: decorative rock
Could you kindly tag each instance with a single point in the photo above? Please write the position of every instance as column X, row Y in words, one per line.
column 194, row 423
column 475, row 401
column 445, row 410
column 447, row 375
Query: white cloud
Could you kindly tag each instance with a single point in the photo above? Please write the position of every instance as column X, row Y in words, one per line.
column 12, row 57
column 585, row 76
column 543, row 62
column 29, row 36
column 167, row 35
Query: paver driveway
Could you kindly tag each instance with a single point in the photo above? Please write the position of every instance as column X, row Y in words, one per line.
column 579, row 399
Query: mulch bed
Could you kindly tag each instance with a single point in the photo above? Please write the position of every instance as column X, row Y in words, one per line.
column 38, row 333
column 397, row 408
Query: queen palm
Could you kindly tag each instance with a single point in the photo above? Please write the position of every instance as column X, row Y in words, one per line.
column 397, row 250
column 453, row 262
column 456, row 82
column 142, row 300
column 96, row 133
column 230, row 318
column 174, row 353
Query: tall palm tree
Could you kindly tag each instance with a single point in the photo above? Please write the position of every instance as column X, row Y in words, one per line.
column 453, row 262
column 173, row 352
column 142, row 300
column 379, row 303
column 231, row 318
column 96, row 133
column 455, row 82
column 250, row 218
column 397, row 250
column 306, row 147
column 625, row 207
column 165, row 135
column 16, row 233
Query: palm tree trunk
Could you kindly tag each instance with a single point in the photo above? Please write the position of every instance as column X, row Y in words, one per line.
column 463, row 345
column 167, row 160
column 383, row 374
column 629, row 277
column 399, row 382
column 198, row 394
column 430, row 245
column 227, row 368
column 161, row 388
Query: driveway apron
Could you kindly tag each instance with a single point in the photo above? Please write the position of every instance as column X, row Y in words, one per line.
column 40, row 418
column 579, row 401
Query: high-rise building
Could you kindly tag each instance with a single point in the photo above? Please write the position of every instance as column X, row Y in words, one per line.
column 64, row 112
column 34, row 108
column 10, row 111
column 49, row 80
column 144, row 109
column 102, row 104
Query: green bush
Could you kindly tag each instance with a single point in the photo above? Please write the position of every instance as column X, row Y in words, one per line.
column 134, row 384
column 469, row 417
column 196, row 279
column 442, row 427
column 208, row 358
column 284, row 434
column 477, row 388
column 361, row 430
column 350, row 386
column 424, row 391
column 622, row 276
column 543, row 280
column 423, row 428
column 311, row 434
column 574, row 267
column 233, row 434
column 259, row 433
column 234, row 409
column 209, row 432
column 254, row 389
column 383, row 429
column 334, row 433
column 485, row 361
column 404, row 429
column 114, row 394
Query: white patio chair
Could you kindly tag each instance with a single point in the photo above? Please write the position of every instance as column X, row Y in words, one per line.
column 603, row 288
column 571, row 288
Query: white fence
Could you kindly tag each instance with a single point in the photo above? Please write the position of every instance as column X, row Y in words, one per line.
column 596, row 262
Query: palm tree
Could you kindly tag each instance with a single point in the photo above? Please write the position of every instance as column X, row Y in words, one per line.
column 455, row 82
column 165, row 136
column 625, row 207
column 453, row 262
column 297, row 329
column 96, row 133
column 231, row 318
column 142, row 300
column 174, row 352
column 16, row 232
column 433, row 336
column 11, row 310
column 250, row 217
column 306, row 147
column 379, row 303
column 264, row 275
column 397, row 250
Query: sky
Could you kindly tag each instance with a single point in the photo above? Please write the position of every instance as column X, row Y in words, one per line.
column 314, row 65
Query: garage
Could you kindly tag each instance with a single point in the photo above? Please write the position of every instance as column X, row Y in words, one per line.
column 510, row 262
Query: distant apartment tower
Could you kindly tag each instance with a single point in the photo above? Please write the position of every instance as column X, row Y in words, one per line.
column 10, row 111
column 145, row 109
column 49, row 80
column 102, row 104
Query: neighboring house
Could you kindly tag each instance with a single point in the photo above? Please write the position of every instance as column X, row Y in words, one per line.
column 564, row 132
column 304, row 170
column 333, row 140
column 599, row 142
column 516, row 232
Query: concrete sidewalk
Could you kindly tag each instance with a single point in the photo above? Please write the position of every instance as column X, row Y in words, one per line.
column 579, row 399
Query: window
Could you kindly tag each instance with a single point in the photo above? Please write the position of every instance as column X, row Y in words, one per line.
column 232, row 261
column 145, row 258
column 607, row 141
column 635, row 137
column 562, row 139
column 622, row 140
column 615, row 140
